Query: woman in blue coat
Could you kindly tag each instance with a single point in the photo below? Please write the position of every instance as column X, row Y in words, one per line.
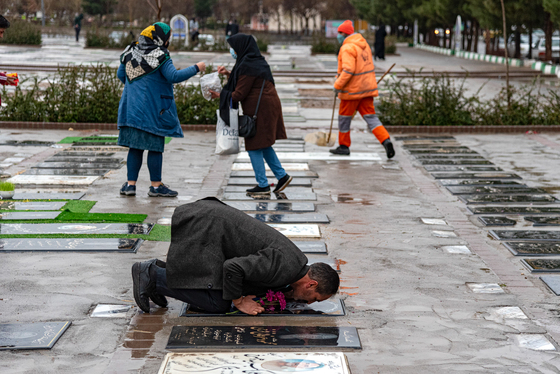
column 147, row 110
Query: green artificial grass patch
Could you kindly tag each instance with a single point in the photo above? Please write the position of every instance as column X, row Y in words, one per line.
column 67, row 216
column 70, row 139
column 95, row 139
column 79, row 206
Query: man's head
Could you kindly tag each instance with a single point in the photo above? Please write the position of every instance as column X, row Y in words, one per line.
column 345, row 29
column 320, row 283
column 4, row 24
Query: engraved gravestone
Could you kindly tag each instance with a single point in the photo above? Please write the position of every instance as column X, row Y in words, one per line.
column 76, row 165
column 448, row 156
column 240, row 189
column 533, row 249
column 13, row 216
column 272, row 207
column 513, row 210
column 287, row 195
column 455, row 162
column 95, row 160
column 480, row 176
column 311, row 246
column 497, row 221
column 525, row 235
column 74, row 228
column 66, row 171
column 70, row 245
column 31, row 205
column 478, row 190
column 478, row 182
column 500, row 199
column 34, row 335
column 269, row 174
column 296, row 182
column 292, row 218
column 437, row 168
column 542, row 265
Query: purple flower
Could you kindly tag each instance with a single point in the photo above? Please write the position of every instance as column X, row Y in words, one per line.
column 281, row 300
column 270, row 295
column 271, row 309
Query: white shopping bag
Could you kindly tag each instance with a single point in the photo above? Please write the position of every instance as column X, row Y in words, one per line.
column 227, row 137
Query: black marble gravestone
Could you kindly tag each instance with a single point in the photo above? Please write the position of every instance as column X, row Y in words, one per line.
column 327, row 308
column 544, row 221
column 31, row 205
column 296, row 182
column 480, row 176
column 269, row 337
column 542, row 265
column 497, row 221
column 488, row 190
column 94, row 160
column 448, row 156
column 423, row 137
column 83, row 154
column 292, row 218
column 271, row 207
column 533, row 249
column 70, row 245
column 525, row 235
column 311, row 246
column 436, row 168
column 43, row 195
column 269, row 174
column 500, row 199
column 34, row 335
column 513, row 210
column 273, row 197
column 455, row 162
column 66, row 171
column 478, row 182
column 76, row 165
column 75, row 228
column 23, row 216
column 435, row 147
column 553, row 282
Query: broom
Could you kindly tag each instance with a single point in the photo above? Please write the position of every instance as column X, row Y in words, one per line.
column 321, row 138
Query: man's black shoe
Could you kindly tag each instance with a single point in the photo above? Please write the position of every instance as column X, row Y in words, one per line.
column 283, row 183
column 157, row 298
column 341, row 150
column 389, row 148
column 259, row 190
column 142, row 284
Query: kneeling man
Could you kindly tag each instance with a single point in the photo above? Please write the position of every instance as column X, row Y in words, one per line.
column 220, row 255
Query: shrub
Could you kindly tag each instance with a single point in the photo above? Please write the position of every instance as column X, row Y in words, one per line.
column 262, row 43
column 21, row 32
column 96, row 38
column 322, row 45
column 391, row 44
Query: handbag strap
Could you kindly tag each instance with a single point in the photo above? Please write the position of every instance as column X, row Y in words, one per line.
column 259, row 102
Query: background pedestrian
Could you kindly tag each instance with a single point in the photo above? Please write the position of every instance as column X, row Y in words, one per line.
column 78, row 25
column 379, row 44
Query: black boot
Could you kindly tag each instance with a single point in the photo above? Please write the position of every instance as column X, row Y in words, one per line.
column 258, row 190
column 158, row 299
column 389, row 148
column 143, row 284
column 341, row 150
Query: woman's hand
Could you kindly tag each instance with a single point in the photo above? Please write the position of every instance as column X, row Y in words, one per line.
column 214, row 94
column 201, row 66
column 11, row 80
column 223, row 71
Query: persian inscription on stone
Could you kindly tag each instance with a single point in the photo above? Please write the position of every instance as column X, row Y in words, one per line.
column 487, row 190
column 437, row 168
column 31, row 205
column 513, row 210
column 66, row 171
column 70, row 245
column 479, row 176
column 292, row 218
column 75, row 228
column 494, row 199
column 534, row 235
column 478, row 182
column 34, row 335
column 497, row 221
column 311, row 246
column 533, row 249
column 544, row 221
column 77, row 165
column 272, row 207
column 240, row 196
column 542, row 265
column 455, row 162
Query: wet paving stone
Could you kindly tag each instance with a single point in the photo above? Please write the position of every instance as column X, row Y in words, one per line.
column 34, row 335
column 542, row 265
column 48, row 195
column 553, row 282
column 70, row 245
column 432, row 168
column 514, row 210
column 96, row 160
column 479, row 182
column 488, row 190
column 314, row 246
column 455, row 162
column 243, row 189
column 479, row 176
column 435, row 151
column 296, row 182
column 76, row 165
column 292, row 218
column 281, row 196
column 272, row 207
column 497, row 221
column 544, row 221
column 327, row 308
column 533, row 249
column 522, row 235
column 269, row 337
column 500, row 199
column 74, row 228
column 31, row 205
column 269, row 174
column 7, row 216
column 110, row 311
column 66, row 171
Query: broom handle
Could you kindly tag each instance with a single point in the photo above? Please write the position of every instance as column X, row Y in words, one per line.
column 387, row 72
column 332, row 118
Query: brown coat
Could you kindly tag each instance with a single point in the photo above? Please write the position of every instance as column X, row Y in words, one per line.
column 270, row 123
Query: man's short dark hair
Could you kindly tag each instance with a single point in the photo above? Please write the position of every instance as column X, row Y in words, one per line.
column 326, row 277
column 4, row 24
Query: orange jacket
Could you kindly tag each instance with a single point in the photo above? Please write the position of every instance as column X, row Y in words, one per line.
column 356, row 78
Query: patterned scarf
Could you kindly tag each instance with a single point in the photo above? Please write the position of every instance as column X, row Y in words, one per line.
column 147, row 54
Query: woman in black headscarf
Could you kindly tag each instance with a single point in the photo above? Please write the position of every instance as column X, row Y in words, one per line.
column 244, row 86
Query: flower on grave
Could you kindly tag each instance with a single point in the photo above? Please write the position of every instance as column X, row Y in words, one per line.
column 273, row 300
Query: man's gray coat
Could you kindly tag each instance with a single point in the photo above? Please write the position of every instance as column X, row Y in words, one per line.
column 214, row 246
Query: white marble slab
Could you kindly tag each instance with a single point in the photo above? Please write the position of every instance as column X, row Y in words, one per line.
column 164, row 221
column 14, row 160
column 485, row 288
column 327, row 156
column 444, row 234
column 60, row 180
column 243, row 166
column 535, row 342
column 434, row 221
column 509, row 312
column 110, row 311
column 298, row 230
column 462, row 249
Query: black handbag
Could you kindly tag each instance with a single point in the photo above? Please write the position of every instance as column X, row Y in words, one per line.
column 248, row 124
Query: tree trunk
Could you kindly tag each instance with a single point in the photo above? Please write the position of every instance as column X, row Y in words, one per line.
column 291, row 21
column 506, row 53
column 517, row 43
column 488, row 41
column 547, row 36
column 476, row 34
column 530, row 53
column 279, row 13
column 470, row 37
column 307, row 25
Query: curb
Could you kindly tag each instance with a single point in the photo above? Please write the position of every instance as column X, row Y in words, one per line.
column 84, row 126
column 538, row 65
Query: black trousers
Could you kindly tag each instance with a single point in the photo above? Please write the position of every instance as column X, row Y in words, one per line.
column 77, row 33
column 208, row 300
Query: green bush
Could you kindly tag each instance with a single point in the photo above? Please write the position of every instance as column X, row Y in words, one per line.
column 91, row 94
column 96, row 38
column 262, row 43
column 391, row 45
column 23, row 33
column 322, row 45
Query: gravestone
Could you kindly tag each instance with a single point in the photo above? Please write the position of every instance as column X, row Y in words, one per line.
column 485, row 287
column 514, row 210
column 553, row 282
column 272, row 207
column 497, row 221
column 500, row 199
column 77, row 165
column 13, row 216
column 70, row 245
column 33, row 335
column 435, row 151
column 333, row 263
column 81, row 148
column 57, row 180
column 31, row 205
column 448, row 157
column 296, row 182
column 311, row 246
column 435, row 147
column 43, row 195
column 320, row 156
column 480, row 176
column 542, row 265
column 239, row 189
column 110, row 311
column 82, row 154
column 435, row 168
column 533, row 249
column 67, row 171
column 455, row 162
column 292, row 218
column 256, row 362
column 327, row 308
column 270, row 174
column 269, row 337
column 295, row 230
column 83, row 228
column 287, row 195
column 423, row 137
column 246, row 166
column 544, row 221
column 472, row 190
column 93, row 160
column 27, row 143
column 525, row 235
column 478, row 182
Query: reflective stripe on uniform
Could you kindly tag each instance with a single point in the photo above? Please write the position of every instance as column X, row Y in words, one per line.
column 358, row 93
column 344, row 123
column 372, row 121
column 366, row 72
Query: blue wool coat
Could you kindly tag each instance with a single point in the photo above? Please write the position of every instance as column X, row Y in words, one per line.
column 148, row 104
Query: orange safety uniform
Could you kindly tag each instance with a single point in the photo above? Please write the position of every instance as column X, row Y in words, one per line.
column 358, row 86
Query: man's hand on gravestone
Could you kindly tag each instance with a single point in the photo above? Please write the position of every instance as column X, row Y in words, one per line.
column 246, row 305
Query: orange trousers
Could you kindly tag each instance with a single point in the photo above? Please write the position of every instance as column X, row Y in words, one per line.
column 365, row 106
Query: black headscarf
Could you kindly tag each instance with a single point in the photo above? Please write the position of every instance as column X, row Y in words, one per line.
column 249, row 62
